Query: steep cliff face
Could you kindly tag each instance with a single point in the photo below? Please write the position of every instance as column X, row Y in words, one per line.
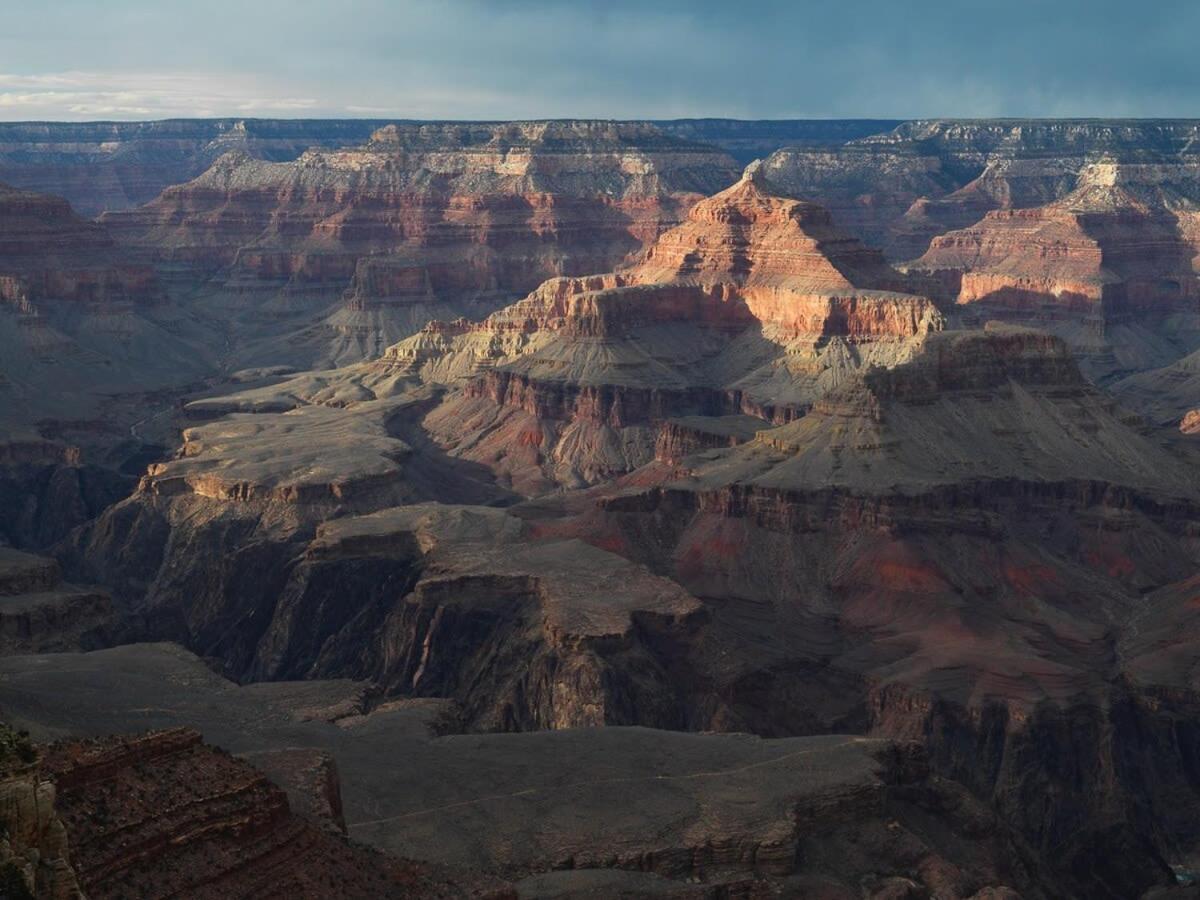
column 102, row 166
column 755, row 305
column 429, row 219
column 162, row 814
column 900, row 189
column 34, row 854
column 1108, row 265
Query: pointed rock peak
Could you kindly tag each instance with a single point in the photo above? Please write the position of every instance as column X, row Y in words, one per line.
column 755, row 176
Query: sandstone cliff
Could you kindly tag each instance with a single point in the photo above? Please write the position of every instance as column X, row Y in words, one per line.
column 756, row 304
column 901, row 188
column 1110, row 266
column 163, row 815
column 427, row 221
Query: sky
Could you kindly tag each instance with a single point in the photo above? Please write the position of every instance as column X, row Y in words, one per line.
column 510, row 59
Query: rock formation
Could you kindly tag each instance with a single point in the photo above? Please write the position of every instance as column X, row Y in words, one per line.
column 750, row 566
column 40, row 614
column 162, row 814
column 34, row 853
column 899, row 189
column 755, row 305
column 1109, row 266
column 428, row 221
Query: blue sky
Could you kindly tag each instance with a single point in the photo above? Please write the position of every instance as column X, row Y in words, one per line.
column 137, row 59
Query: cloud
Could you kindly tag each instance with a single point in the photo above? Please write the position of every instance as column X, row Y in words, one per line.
column 84, row 95
column 616, row 58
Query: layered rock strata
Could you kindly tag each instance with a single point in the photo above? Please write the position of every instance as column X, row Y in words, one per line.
column 667, row 812
column 428, row 220
column 756, row 305
column 162, row 814
column 41, row 614
column 1104, row 266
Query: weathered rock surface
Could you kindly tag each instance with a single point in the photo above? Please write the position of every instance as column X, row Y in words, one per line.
column 755, row 305
column 40, row 614
column 427, row 221
column 34, row 853
column 1109, row 266
column 710, row 814
column 162, row 814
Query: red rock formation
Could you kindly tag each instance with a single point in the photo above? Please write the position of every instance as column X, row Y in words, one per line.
column 1109, row 254
column 753, row 305
column 162, row 814
column 428, row 220
column 48, row 253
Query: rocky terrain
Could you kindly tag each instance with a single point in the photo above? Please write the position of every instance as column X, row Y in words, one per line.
column 900, row 189
column 641, row 530
column 101, row 166
column 668, row 813
column 161, row 814
column 108, row 166
column 426, row 221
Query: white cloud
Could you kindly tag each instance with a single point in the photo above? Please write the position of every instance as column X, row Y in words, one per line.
column 96, row 95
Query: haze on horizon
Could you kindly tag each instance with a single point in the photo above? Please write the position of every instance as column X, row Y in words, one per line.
column 471, row 59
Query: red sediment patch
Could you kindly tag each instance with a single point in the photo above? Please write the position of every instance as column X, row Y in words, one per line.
column 606, row 538
column 530, row 437
column 1032, row 580
column 1112, row 563
column 910, row 577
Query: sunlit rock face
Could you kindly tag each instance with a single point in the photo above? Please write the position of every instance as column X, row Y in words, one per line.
column 756, row 305
column 428, row 221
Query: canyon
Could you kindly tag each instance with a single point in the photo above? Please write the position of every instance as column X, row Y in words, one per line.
column 588, row 508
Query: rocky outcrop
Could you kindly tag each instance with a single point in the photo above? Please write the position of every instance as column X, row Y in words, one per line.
column 755, row 305
column 446, row 596
column 102, row 166
column 1105, row 262
column 34, row 854
column 40, row 614
column 162, row 814
column 428, row 220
